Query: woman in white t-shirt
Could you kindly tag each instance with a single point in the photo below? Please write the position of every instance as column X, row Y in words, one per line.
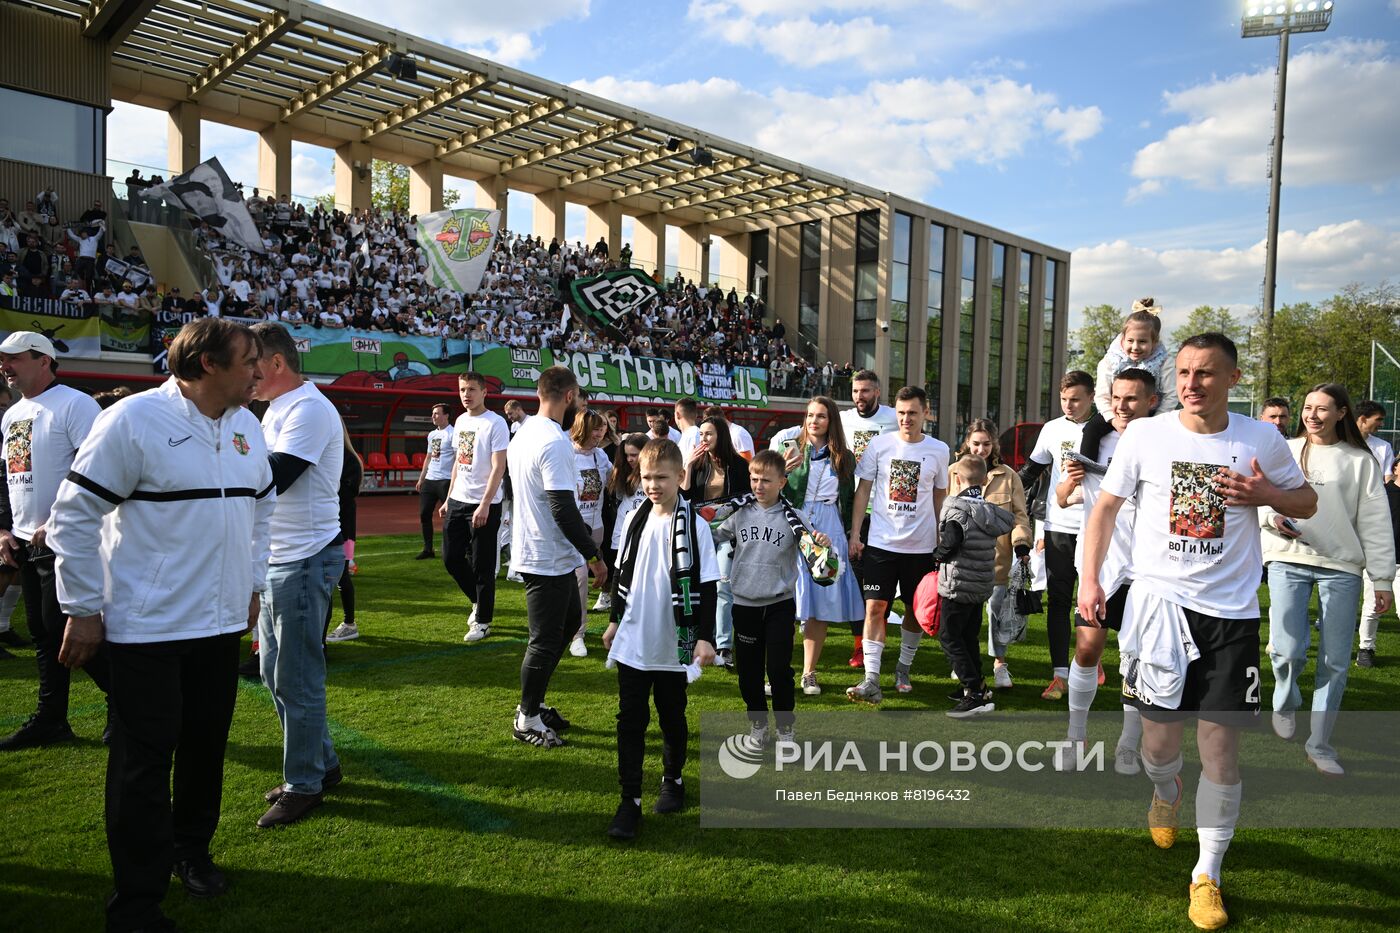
column 588, row 433
column 1349, row 536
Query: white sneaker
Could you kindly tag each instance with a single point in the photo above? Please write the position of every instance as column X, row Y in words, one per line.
column 1328, row 767
column 1065, row 758
column 345, row 631
column 471, row 618
column 1001, row 678
column 767, row 689
column 476, row 632
column 787, row 735
column 1284, row 725
column 577, row 648
column 757, row 738
column 810, row 687
column 604, row 602
column 514, row 577
column 1126, row 762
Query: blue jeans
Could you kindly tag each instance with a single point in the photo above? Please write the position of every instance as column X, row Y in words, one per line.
column 1338, row 594
column 724, row 601
column 294, row 665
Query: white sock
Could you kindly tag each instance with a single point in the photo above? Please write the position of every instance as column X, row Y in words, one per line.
column 908, row 645
column 1063, row 673
column 1083, row 684
column 1132, row 728
column 1217, row 812
column 872, row 649
column 1163, row 777
column 7, row 605
column 637, row 801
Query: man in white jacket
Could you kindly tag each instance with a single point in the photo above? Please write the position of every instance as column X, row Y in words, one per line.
column 170, row 584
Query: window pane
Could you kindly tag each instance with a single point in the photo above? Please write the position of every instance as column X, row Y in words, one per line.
column 49, row 132
column 867, row 281
column 902, row 228
column 969, row 256
column 935, row 248
column 868, row 236
column 899, row 282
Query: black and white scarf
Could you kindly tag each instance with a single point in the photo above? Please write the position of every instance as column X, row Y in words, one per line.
column 685, row 573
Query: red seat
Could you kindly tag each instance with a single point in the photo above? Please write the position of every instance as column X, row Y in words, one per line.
column 398, row 463
column 375, row 463
column 418, row 459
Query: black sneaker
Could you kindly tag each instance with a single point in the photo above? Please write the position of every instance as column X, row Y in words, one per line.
column 289, row 808
column 671, row 799
column 250, row 667
column 425, row 555
column 12, row 639
column 201, row 877
column 974, row 704
column 36, row 733
column 1366, row 657
column 626, row 820
column 6, row 656
column 957, row 694
column 542, row 737
column 550, row 717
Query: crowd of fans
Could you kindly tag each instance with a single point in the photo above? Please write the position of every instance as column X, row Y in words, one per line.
column 330, row 269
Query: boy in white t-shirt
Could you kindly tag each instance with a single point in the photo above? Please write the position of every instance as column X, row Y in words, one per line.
column 1062, row 524
column 903, row 478
column 662, row 629
column 1191, row 624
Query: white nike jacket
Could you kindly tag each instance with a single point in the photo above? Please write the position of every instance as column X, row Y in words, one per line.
column 186, row 502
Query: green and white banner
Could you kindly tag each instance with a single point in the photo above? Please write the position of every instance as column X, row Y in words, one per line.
column 458, row 245
column 613, row 295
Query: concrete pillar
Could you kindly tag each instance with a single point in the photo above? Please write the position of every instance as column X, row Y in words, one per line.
column 491, row 194
column 952, row 333
column 1010, row 339
column 690, row 259
column 734, row 262
column 837, row 329
column 1035, row 359
column 275, row 160
column 549, row 215
column 182, row 137
column 981, row 326
column 604, row 221
column 882, row 305
column 425, row 187
column 649, row 244
column 785, row 243
column 353, row 174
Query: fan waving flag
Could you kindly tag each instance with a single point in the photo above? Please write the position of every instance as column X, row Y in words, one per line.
column 611, row 296
column 206, row 192
column 458, row 246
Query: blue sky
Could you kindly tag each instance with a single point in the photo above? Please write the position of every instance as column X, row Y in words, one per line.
column 1133, row 132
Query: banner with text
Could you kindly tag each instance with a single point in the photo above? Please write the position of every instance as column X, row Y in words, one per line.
column 74, row 329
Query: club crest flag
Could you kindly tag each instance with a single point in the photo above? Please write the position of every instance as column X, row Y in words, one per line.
column 458, row 245
column 206, row 192
column 611, row 296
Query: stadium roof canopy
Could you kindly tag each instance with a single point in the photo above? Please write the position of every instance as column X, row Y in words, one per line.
column 326, row 75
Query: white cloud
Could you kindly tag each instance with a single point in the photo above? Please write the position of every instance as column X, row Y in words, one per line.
column 502, row 32
column 136, row 135
column 1340, row 123
column 801, row 41
column 1312, row 265
column 899, row 135
column 312, row 173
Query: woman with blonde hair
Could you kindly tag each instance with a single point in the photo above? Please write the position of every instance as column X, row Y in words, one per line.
column 1003, row 487
column 589, row 431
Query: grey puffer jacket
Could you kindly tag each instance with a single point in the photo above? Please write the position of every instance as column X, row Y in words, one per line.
column 969, row 575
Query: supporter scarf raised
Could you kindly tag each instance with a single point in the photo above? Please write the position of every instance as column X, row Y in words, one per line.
column 610, row 297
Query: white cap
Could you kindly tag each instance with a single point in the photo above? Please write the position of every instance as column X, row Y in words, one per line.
column 22, row 340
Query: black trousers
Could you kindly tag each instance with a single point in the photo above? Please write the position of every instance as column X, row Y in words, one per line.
column 959, row 633
column 635, row 689
column 1060, row 578
column 763, row 644
column 552, row 608
column 431, row 494
column 172, row 703
column 46, row 625
column 469, row 554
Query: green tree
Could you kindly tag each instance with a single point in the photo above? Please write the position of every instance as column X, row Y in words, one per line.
column 1332, row 342
column 389, row 187
column 1206, row 319
column 1102, row 323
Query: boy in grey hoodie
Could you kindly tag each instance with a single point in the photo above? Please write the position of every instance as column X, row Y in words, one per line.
column 967, row 540
column 763, row 579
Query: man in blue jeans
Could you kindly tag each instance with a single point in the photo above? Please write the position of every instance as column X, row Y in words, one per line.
column 305, row 443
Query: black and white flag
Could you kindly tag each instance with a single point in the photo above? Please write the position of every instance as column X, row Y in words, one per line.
column 206, row 192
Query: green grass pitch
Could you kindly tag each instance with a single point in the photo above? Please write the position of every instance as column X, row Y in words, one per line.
column 445, row 823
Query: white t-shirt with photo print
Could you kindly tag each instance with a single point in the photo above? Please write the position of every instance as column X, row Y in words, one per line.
column 440, row 454
column 593, row 469
column 860, row 431
column 477, row 438
column 1189, row 548
column 1117, row 563
column 646, row 633
column 904, row 478
column 1057, row 439
column 42, row 436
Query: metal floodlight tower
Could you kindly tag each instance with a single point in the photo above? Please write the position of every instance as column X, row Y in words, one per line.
column 1278, row 19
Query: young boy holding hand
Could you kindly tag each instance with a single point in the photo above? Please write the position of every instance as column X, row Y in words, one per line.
column 662, row 628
